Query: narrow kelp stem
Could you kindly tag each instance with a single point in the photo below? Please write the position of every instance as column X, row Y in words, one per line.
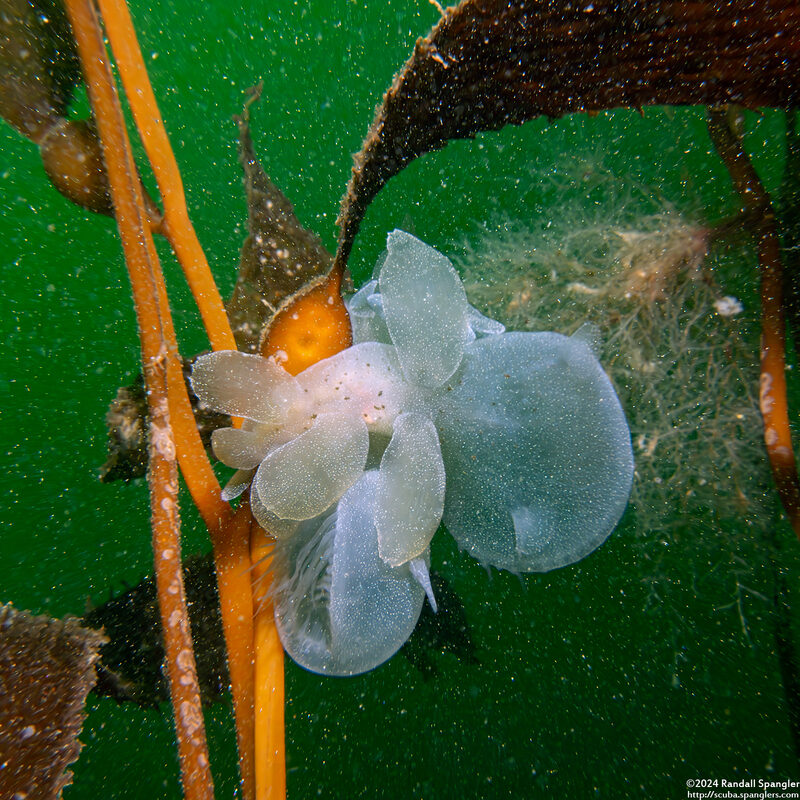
column 231, row 557
column 134, row 232
column 772, row 395
column 270, row 776
column 232, row 562
column 180, row 660
column 230, row 541
column 176, row 225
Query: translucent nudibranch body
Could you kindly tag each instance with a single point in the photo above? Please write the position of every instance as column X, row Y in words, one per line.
column 339, row 607
column 516, row 441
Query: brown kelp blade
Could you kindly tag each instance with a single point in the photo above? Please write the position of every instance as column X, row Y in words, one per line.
column 131, row 660
column 38, row 65
column 46, row 671
column 490, row 63
column 278, row 257
column 39, row 73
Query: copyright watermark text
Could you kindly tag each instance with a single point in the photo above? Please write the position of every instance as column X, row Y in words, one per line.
column 744, row 789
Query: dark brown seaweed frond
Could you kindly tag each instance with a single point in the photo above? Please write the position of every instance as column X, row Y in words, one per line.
column 46, row 671
column 279, row 255
column 130, row 666
column 490, row 63
column 38, row 65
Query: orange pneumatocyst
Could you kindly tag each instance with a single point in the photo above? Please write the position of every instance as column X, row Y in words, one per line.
column 313, row 325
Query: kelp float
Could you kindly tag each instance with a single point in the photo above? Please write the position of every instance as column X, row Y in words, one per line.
column 485, row 65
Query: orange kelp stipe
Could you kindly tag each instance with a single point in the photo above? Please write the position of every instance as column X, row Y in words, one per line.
column 270, row 764
column 157, row 345
column 176, row 225
column 312, row 325
column 723, row 124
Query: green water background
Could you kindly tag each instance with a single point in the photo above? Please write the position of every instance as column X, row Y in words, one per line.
column 586, row 686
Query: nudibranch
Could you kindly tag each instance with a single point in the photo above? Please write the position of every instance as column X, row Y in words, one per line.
column 515, row 441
